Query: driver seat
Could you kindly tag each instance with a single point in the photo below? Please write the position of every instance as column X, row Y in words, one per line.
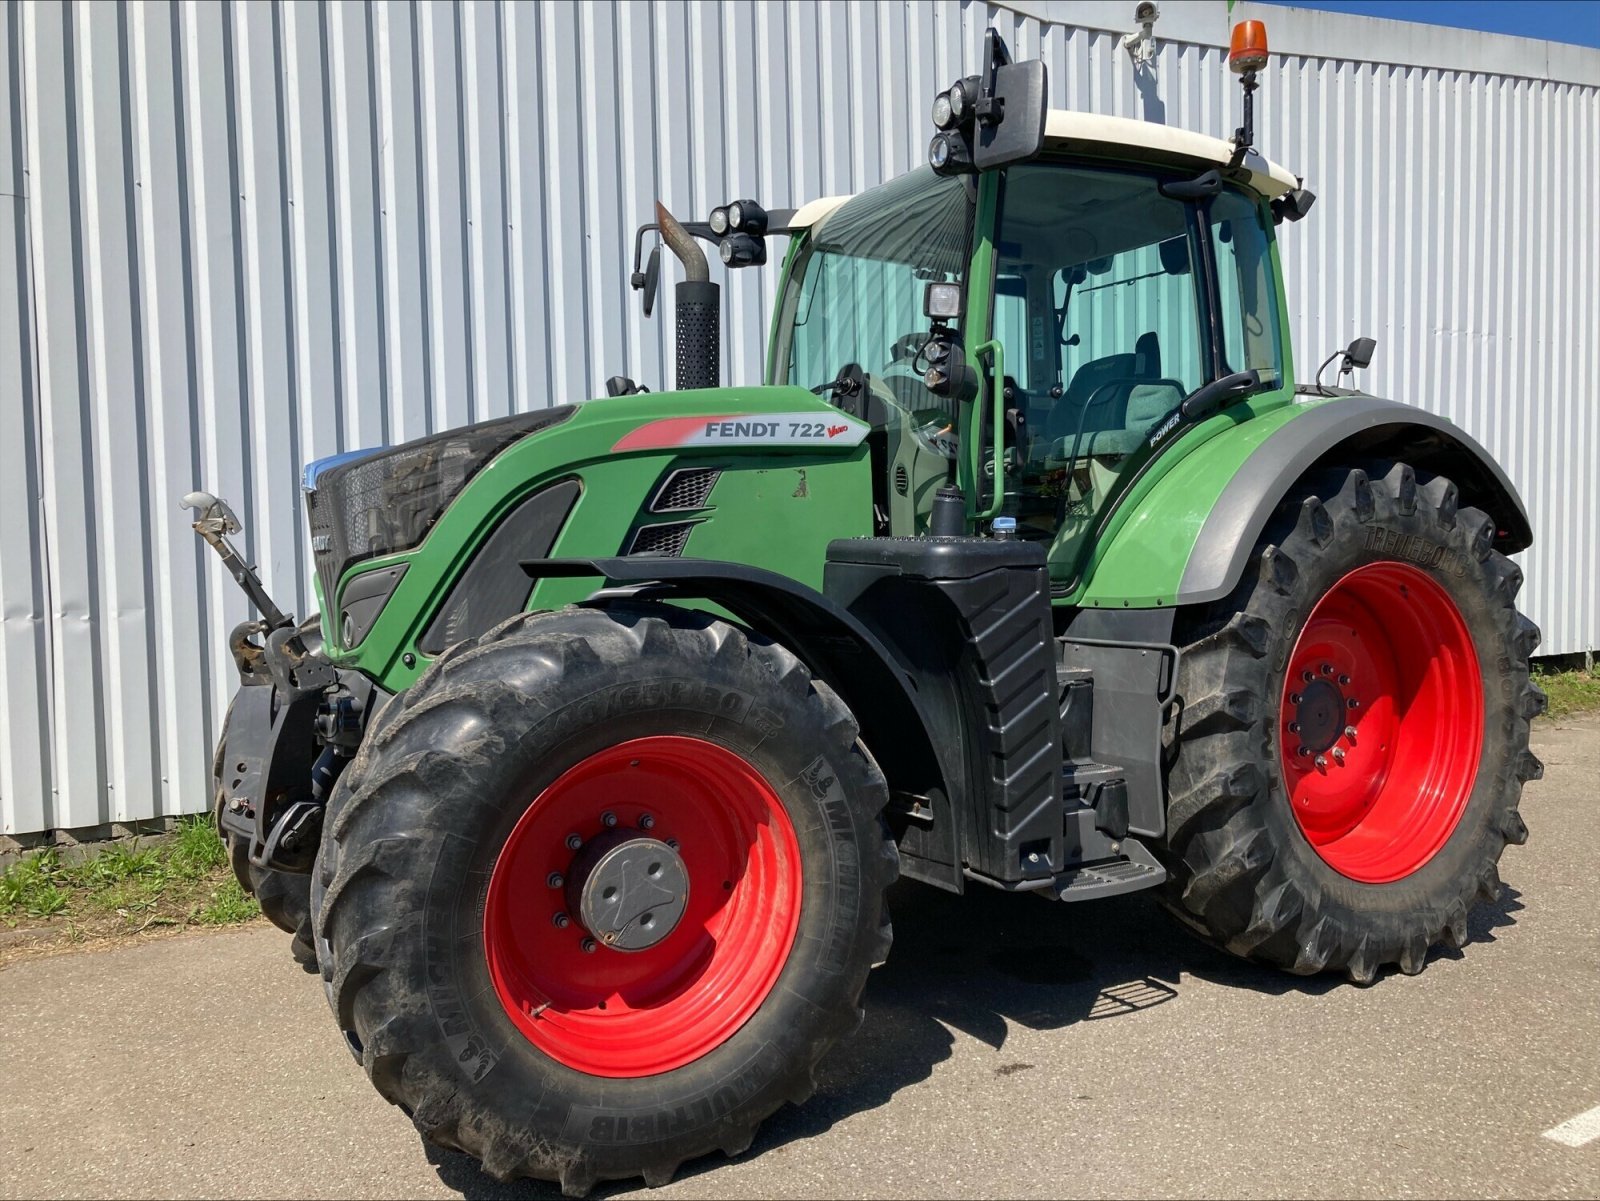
column 1143, row 365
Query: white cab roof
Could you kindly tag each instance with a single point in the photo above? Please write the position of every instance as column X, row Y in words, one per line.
column 1094, row 132
column 1097, row 132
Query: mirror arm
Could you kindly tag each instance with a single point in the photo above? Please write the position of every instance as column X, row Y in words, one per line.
column 1219, row 393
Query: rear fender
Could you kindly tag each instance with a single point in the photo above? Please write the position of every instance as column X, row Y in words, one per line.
column 1188, row 538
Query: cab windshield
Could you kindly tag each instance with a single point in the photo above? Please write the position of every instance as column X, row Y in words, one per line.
column 856, row 291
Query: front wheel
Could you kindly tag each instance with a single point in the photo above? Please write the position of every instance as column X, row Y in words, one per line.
column 1353, row 734
column 600, row 890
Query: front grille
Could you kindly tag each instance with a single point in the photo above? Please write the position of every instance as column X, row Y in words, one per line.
column 686, row 488
column 665, row 539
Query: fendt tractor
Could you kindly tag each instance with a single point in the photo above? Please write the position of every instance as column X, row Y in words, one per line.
column 1030, row 566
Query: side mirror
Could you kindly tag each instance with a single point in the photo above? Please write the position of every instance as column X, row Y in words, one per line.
column 652, row 279
column 1016, row 131
column 1358, row 354
column 992, row 118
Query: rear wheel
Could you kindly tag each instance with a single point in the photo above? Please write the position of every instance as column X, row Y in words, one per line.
column 600, row 890
column 1353, row 735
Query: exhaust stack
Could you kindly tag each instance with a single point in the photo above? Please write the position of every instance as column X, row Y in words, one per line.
column 699, row 304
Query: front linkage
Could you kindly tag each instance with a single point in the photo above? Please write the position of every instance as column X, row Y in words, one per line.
column 293, row 725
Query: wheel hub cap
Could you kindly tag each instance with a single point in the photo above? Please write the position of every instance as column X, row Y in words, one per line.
column 1320, row 715
column 629, row 892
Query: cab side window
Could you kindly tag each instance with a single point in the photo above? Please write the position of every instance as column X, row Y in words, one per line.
column 1245, row 286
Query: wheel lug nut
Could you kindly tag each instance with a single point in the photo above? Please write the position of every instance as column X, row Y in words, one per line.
column 1327, row 669
column 574, row 841
column 1322, row 763
column 1350, row 733
column 1352, row 703
column 1307, row 676
column 560, row 921
column 1303, row 751
column 673, row 843
column 1344, row 681
column 1338, row 754
column 1294, row 727
column 1294, row 698
column 588, row 946
column 646, row 822
column 608, row 819
column 555, row 880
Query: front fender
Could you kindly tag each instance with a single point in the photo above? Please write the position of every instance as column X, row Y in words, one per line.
column 1187, row 537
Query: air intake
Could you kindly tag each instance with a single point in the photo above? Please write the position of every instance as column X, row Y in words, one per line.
column 685, row 489
column 665, row 539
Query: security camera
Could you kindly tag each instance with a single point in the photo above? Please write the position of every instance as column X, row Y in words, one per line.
column 1141, row 46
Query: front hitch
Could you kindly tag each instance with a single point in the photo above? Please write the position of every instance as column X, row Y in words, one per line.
column 270, row 796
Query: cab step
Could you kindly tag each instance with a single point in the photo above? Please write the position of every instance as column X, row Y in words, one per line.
column 1135, row 869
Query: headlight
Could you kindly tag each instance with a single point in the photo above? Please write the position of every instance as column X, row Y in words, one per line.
column 719, row 220
column 944, row 111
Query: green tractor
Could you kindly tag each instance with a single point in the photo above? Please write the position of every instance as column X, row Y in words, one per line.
column 1028, row 567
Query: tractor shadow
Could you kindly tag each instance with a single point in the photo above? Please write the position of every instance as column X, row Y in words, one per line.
column 980, row 964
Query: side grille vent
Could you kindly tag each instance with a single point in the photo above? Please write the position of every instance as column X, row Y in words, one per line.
column 686, row 488
column 902, row 482
column 666, row 539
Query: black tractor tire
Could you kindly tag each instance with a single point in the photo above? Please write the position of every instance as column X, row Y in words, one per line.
column 417, row 825
column 1243, row 872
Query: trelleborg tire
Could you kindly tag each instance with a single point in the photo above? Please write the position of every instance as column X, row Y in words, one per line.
column 1352, row 738
column 463, row 869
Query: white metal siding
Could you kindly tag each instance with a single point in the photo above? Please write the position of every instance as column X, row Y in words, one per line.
column 234, row 237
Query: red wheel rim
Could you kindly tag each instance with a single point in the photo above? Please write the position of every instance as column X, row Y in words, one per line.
column 619, row 1013
column 1381, row 722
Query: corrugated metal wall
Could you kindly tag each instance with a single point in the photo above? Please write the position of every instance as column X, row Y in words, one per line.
column 239, row 236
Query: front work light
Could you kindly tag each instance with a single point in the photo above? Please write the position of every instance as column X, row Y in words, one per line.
column 747, row 217
column 949, row 154
column 944, row 113
column 963, row 96
column 742, row 250
column 719, row 220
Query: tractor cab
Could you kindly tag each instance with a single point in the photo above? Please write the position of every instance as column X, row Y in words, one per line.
column 1121, row 271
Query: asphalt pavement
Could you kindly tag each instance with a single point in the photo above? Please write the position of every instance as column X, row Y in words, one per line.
column 1012, row 1047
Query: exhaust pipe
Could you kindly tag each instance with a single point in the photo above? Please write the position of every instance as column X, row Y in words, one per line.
column 699, row 305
